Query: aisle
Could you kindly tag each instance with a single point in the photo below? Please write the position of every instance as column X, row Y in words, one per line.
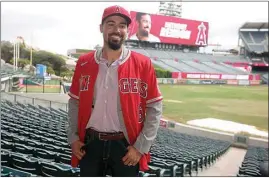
column 226, row 165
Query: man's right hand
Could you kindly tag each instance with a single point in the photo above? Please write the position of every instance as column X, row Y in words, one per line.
column 76, row 149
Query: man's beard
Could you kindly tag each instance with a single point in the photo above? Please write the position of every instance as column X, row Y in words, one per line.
column 144, row 33
column 115, row 44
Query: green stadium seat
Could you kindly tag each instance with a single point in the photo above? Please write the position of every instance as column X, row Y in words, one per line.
column 7, row 145
column 6, row 136
column 44, row 154
column 63, row 158
column 23, row 149
column 24, row 163
column 5, row 157
column 11, row 172
column 34, row 144
column 154, row 172
column 55, row 170
column 20, row 140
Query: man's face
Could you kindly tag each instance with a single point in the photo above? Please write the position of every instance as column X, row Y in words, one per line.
column 145, row 25
column 114, row 31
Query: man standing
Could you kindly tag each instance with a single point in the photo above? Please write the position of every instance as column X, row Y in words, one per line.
column 115, row 105
column 143, row 21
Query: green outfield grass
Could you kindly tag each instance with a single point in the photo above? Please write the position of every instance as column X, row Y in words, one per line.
column 246, row 105
column 52, row 82
column 40, row 89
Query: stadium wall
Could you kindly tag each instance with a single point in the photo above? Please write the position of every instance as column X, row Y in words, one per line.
column 218, row 135
column 209, row 81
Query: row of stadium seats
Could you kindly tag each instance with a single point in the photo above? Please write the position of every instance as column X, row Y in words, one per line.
column 253, row 161
column 34, row 142
column 255, row 41
column 8, row 71
column 197, row 67
column 189, row 56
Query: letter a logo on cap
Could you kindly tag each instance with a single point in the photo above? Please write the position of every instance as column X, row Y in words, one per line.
column 117, row 8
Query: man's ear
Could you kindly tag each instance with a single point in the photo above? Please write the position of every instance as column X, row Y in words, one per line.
column 101, row 28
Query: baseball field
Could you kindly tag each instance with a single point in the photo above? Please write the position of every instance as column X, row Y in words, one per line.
column 41, row 89
column 246, row 105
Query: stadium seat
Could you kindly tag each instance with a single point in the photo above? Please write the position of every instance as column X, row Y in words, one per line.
column 44, row 154
column 63, row 158
column 24, row 133
column 6, row 145
column 34, row 144
column 24, row 163
column 20, row 140
column 5, row 157
column 154, row 172
column 11, row 172
column 169, row 168
column 55, row 170
column 62, row 144
column 264, row 168
column 180, row 168
column 6, row 136
column 23, row 149
column 251, row 165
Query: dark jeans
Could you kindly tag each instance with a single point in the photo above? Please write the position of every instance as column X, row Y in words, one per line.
column 105, row 158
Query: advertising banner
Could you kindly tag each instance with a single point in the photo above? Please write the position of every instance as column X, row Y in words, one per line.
column 224, row 76
column 172, row 81
column 243, row 82
column 242, row 77
column 167, row 29
column 212, row 76
column 219, row 82
column 232, row 82
column 195, row 82
column 255, row 82
column 202, row 76
column 181, row 82
column 160, row 80
column 206, row 82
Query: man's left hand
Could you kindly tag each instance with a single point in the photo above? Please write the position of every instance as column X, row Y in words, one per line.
column 132, row 157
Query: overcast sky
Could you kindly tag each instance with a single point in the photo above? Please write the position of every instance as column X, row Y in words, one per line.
column 59, row 26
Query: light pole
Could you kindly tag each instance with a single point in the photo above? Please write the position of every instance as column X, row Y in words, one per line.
column 16, row 53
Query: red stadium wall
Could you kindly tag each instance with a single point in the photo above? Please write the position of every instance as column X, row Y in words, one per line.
column 212, row 76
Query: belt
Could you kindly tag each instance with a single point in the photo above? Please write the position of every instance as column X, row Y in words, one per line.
column 105, row 135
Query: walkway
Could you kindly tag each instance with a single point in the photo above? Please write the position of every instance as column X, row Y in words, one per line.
column 227, row 165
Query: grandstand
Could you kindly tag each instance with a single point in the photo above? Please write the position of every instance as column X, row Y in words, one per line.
column 180, row 61
column 7, row 75
column 255, row 37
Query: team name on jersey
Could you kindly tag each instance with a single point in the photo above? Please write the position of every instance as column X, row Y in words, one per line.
column 133, row 85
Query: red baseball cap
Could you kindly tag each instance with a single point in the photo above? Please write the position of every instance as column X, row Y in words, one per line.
column 117, row 10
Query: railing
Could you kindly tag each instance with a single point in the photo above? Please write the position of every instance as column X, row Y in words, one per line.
column 34, row 101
